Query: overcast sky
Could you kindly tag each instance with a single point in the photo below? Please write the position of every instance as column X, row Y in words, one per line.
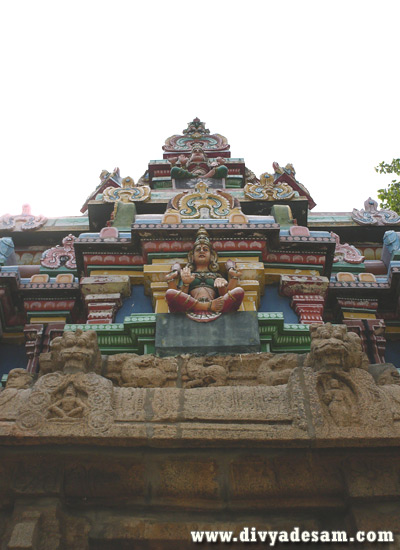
column 91, row 85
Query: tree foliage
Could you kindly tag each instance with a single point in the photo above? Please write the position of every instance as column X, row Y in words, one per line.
column 390, row 197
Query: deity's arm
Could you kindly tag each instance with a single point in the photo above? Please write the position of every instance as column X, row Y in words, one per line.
column 233, row 275
column 173, row 276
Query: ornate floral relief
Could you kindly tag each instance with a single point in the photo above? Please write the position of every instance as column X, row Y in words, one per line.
column 129, row 192
column 270, row 187
column 196, row 133
column 346, row 252
column 60, row 256
column 203, row 203
column 22, row 222
column 267, row 191
column 370, row 215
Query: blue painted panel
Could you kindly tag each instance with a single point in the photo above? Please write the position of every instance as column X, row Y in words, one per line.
column 12, row 357
column 392, row 353
column 271, row 301
column 137, row 302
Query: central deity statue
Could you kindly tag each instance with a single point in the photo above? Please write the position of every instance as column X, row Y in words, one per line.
column 198, row 289
column 197, row 165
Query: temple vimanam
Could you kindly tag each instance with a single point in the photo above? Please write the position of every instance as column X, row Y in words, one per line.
column 199, row 350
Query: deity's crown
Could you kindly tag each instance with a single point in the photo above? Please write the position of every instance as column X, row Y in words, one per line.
column 202, row 237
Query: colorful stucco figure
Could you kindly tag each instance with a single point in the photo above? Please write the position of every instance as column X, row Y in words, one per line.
column 198, row 289
column 197, row 165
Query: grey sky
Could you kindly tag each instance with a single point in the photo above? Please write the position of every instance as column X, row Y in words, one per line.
column 92, row 85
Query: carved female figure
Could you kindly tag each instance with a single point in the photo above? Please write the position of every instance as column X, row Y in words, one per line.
column 198, row 289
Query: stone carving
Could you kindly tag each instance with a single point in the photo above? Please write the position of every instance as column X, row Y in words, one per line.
column 22, row 222
column 141, row 371
column 19, row 379
column 384, row 374
column 69, row 398
column 204, row 203
column 68, row 401
column 348, row 395
column 196, row 374
column 340, row 401
column 198, row 289
column 60, row 256
column 370, row 215
column 71, row 353
column 128, row 192
column 197, row 165
column 69, row 388
column 276, row 370
column 333, row 348
column 346, row 252
column 15, row 394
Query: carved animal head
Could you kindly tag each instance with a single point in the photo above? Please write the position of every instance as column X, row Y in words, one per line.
column 76, row 352
column 333, row 347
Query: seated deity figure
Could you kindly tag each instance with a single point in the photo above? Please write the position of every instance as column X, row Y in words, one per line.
column 197, row 165
column 198, row 289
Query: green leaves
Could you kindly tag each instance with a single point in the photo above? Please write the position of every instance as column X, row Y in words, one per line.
column 390, row 197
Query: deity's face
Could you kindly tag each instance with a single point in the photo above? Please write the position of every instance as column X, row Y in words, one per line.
column 202, row 255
